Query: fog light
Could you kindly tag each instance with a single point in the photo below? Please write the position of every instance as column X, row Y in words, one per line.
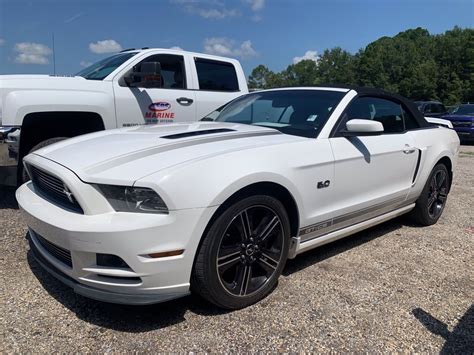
column 110, row 260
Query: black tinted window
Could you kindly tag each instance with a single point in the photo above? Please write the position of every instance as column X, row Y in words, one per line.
column 216, row 76
column 172, row 71
column 297, row 112
column 384, row 111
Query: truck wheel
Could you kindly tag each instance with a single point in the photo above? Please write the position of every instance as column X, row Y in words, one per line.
column 430, row 204
column 24, row 174
column 243, row 253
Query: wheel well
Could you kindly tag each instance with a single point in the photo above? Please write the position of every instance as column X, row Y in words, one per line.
column 449, row 165
column 265, row 188
column 40, row 126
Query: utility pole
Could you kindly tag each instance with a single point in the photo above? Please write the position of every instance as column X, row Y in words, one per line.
column 54, row 57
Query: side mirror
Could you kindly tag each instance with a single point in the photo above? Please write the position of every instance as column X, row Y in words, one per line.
column 148, row 74
column 359, row 127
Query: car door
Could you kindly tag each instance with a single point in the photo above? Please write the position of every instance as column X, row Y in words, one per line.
column 165, row 99
column 373, row 174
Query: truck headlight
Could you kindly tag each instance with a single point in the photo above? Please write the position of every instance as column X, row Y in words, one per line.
column 133, row 199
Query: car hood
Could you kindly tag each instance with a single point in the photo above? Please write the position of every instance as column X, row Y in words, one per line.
column 123, row 156
column 459, row 117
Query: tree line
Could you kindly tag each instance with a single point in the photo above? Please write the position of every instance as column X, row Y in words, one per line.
column 413, row 63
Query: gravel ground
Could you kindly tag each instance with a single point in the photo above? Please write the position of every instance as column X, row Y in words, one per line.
column 395, row 287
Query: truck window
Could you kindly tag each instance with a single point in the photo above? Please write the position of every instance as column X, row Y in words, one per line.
column 216, row 76
column 173, row 74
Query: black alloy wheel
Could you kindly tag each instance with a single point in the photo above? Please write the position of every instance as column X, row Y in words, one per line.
column 250, row 250
column 438, row 193
column 243, row 253
column 432, row 200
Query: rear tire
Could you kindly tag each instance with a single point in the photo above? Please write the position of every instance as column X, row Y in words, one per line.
column 431, row 203
column 243, row 253
column 24, row 174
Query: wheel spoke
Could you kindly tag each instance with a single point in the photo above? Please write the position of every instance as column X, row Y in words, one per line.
column 244, row 219
column 269, row 228
column 228, row 251
column 431, row 201
column 442, row 196
column 440, row 178
column 245, row 276
column 267, row 262
column 227, row 264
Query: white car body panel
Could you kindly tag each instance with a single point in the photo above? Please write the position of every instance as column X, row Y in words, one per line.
column 370, row 179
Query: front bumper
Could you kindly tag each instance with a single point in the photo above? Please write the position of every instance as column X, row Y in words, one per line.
column 130, row 236
column 9, row 154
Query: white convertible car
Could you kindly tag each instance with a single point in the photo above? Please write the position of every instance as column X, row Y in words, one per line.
column 146, row 214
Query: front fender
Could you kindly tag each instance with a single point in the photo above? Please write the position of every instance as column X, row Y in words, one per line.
column 17, row 104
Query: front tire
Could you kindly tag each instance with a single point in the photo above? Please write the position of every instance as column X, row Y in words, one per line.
column 431, row 203
column 243, row 253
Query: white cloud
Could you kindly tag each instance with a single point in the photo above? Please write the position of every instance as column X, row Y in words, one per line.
column 85, row 63
column 256, row 5
column 32, row 53
column 309, row 55
column 208, row 9
column 228, row 47
column 217, row 14
column 177, row 48
column 105, row 46
column 2, row 41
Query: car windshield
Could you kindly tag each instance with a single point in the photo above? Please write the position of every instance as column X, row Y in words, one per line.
column 99, row 70
column 464, row 110
column 298, row 112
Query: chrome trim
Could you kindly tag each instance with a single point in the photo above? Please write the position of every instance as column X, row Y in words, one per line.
column 9, row 153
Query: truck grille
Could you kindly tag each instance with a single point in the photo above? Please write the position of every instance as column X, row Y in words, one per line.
column 61, row 254
column 54, row 189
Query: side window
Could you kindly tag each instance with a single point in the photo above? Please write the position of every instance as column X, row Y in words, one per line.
column 440, row 108
column 216, row 76
column 409, row 120
column 172, row 71
column 387, row 112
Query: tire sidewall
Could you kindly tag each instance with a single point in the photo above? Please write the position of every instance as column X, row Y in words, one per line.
column 216, row 232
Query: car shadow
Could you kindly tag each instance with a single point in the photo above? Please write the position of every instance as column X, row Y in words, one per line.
column 7, row 198
column 460, row 340
column 132, row 319
column 327, row 251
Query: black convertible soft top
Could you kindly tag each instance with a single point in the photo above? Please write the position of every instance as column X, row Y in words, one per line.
column 368, row 91
column 407, row 104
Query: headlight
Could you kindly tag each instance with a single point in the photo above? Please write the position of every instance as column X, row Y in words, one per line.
column 133, row 199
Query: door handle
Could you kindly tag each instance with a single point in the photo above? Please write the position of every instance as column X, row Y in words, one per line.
column 408, row 150
column 186, row 101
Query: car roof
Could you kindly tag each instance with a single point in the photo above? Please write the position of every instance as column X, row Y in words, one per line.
column 179, row 51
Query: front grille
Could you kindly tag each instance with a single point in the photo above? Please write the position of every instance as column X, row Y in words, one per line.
column 54, row 189
column 61, row 254
column 461, row 123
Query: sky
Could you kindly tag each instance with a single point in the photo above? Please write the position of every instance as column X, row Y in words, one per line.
column 275, row 33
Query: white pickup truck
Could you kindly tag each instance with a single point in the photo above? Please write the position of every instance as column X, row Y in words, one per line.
column 133, row 87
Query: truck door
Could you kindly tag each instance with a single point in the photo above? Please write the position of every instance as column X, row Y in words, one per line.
column 218, row 84
column 163, row 99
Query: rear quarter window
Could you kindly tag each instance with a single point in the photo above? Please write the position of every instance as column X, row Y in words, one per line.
column 216, row 76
